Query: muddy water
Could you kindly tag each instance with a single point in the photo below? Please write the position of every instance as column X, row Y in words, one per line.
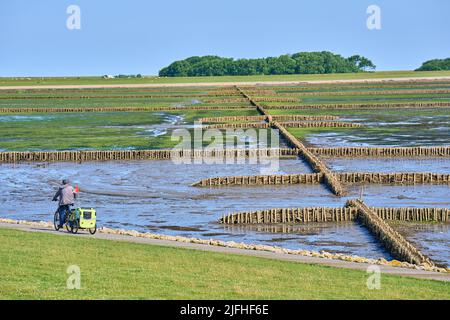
column 389, row 165
column 430, row 238
column 153, row 196
column 388, row 130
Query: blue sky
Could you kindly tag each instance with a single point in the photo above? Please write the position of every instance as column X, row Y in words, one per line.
column 138, row 36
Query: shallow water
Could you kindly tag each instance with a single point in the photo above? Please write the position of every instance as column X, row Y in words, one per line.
column 153, row 196
column 430, row 238
column 389, row 165
column 22, row 118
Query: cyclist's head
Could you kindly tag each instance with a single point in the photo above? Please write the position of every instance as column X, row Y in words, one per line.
column 65, row 181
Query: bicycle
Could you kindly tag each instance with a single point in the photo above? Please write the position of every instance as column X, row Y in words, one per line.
column 77, row 219
column 56, row 220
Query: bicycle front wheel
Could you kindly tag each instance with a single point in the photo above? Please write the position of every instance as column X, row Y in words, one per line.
column 56, row 222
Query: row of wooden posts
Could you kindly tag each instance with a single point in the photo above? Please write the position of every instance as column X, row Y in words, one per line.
column 372, row 92
column 381, row 84
column 394, row 242
column 352, row 152
column 326, row 214
column 290, row 124
column 220, row 107
column 259, row 125
column 148, row 90
column 167, row 154
column 409, row 178
column 134, row 96
column 394, row 178
column 320, row 124
column 276, row 99
column 120, row 109
column 263, row 117
column 316, row 164
column 281, row 179
column 405, row 105
column 225, row 101
column 163, row 154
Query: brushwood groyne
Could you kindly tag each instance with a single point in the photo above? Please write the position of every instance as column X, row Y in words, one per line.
column 325, row 214
column 405, row 178
column 164, row 154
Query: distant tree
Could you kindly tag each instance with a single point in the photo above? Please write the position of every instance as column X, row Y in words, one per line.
column 361, row 63
column 298, row 63
column 435, row 65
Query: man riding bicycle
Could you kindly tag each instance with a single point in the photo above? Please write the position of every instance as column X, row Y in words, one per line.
column 66, row 195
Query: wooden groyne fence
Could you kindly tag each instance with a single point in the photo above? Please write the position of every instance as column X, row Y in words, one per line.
column 316, row 164
column 299, row 124
column 354, row 210
column 263, row 118
column 122, row 109
column 96, row 95
column 406, row 105
column 226, row 101
column 382, row 84
column 352, row 152
column 362, row 93
column 244, row 125
column 325, row 214
column 404, row 178
column 319, row 124
column 81, row 97
column 290, row 215
column 167, row 154
column 281, row 179
column 409, row 178
column 163, row 154
column 278, row 99
column 394, row 242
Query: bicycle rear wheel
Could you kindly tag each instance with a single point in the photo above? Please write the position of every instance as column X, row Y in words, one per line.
column 68, row 222
column 74, row 226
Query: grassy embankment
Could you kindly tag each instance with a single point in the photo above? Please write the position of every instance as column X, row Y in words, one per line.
column 24, row 81
column 33, row 266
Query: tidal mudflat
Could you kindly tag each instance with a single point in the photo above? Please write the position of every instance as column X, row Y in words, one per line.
column 157, row 196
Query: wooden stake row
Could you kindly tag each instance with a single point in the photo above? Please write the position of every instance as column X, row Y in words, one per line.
column 324, row 214
column 406, row 105
column 395, row 243
column 163, row 154
column 353, row 152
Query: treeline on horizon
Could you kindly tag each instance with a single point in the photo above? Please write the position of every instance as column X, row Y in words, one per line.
column 435, row 65
column 298, row 63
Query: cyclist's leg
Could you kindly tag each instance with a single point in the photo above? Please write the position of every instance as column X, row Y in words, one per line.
column 62, row 214
column 68, row 215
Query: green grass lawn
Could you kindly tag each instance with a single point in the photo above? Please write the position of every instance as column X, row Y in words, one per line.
column 157, row 80
column 33, row 266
